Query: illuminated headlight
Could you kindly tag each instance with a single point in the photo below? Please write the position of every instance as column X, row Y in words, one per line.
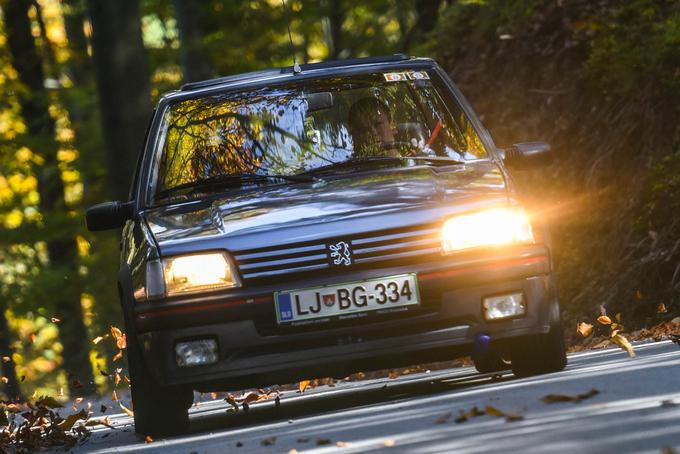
column 486, row 228
column 198, row 272
column 504, row 306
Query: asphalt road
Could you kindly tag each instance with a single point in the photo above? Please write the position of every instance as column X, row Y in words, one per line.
column 637, row 410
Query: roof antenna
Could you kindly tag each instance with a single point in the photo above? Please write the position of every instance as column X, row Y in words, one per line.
column 296, row 67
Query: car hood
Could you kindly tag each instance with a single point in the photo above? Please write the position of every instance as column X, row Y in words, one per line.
column 339, row 206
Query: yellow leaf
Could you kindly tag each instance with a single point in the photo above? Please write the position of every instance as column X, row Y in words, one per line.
column 584, row 329
column 126, row 410
column 303, row 385
column 604, row 320
column 493, row 411
column 622, row 342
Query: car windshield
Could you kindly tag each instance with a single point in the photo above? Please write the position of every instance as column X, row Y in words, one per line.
column 308, row 127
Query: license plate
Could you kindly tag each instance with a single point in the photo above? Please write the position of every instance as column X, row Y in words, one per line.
column 349, row 300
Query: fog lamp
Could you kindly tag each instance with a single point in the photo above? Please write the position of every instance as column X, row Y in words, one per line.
column 504, row 306
column 196, row 353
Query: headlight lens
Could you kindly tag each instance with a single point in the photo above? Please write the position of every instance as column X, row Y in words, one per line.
column 486, row 228
column 193, row 273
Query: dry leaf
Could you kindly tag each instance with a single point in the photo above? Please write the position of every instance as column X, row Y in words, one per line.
column 33, row 337
column 388, row 443
column 49, row 402
column 97, row 340
column 511, row 417
column 78, row 400
column 118, row 356
column 5, row 380
column 55, row 320
column 148, row 439
column 114, row 396
column 303, row 385
column 6, row 359
column 213, row 396
column 323, row 441
column 249, row 398
column 70, row 421
column 622, row 342
column 231, row 401
column 343, row 444
column 603, row 319
column 116, row 378
column 126, row 410
column 554, row 398
column 443, row 419
column 584, row 329
column 662, row 308
column 493, row 411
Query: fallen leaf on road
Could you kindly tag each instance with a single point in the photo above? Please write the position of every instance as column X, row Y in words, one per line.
column 303, row 385
column 555, row 398
column 512, row 417
column 69, row 422
column 389, row 443
column 584, row 329
column 231, row 401
column 443, row 419
column 622, row 342
column 493, row 411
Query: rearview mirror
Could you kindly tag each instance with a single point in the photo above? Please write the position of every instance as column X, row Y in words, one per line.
column 108, row 215
column 528, row 155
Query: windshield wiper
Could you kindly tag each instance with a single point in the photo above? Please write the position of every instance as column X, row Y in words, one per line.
column 235, row 180
column 375, row 161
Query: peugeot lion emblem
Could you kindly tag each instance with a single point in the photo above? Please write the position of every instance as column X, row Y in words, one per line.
column 340, row 253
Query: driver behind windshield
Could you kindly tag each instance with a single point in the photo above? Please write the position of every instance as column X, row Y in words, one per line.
column 371, row 129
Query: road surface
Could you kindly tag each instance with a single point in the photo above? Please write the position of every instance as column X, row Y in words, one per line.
column 636, row 410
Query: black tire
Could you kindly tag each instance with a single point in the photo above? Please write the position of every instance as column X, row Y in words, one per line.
column 159, row 410
column 539, row 354
column 489, row 362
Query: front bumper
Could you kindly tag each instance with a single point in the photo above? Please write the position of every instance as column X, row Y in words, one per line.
column 255, row 352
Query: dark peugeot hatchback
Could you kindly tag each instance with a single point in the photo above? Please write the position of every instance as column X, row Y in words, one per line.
column 317, row 221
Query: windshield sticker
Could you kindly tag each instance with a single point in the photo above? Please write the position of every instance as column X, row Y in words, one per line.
column 402, row 76
column 418, row 75
column 395, row 77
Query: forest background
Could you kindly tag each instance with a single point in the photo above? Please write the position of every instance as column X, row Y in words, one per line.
column 598, row 79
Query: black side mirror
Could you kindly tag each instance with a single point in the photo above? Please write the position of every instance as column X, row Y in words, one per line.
column 528, row 155
column 108, row 215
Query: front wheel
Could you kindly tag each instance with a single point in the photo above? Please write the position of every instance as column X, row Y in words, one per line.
column 539, row 354
column 158, row 410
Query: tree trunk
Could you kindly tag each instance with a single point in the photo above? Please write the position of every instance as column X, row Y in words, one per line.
column 7, row 368
column 192, row 28
column 335, row 15
column 61, row 247
column 122, row 77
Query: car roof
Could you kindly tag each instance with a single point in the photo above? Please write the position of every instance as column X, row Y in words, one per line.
column 319, row 69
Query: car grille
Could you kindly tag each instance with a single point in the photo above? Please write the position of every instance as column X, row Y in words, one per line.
column 371, row 248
